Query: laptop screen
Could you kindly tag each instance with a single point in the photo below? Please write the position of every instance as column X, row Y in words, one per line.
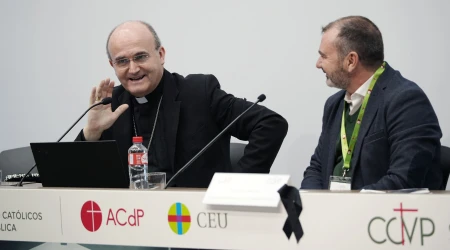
column 80, row 164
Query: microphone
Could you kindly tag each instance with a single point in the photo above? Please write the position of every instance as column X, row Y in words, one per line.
column 261, row 98
column 104, row 101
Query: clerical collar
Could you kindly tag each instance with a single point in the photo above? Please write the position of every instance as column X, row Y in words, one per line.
column 141, row 100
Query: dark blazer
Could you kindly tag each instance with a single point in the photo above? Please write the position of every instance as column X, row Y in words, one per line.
column 195, row 110
column 398, row 145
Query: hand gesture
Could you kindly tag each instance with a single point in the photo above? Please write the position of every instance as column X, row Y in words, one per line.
column 101, row 117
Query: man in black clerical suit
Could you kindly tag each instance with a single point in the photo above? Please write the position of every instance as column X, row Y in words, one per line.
column 176, row 115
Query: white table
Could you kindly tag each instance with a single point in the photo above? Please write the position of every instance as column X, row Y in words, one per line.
column 330, row 220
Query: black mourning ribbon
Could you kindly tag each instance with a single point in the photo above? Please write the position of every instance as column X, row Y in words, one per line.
column 290, row 197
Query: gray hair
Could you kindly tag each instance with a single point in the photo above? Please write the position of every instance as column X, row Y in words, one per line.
column 149, row 27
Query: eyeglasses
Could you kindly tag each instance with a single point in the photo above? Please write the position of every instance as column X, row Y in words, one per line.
column 125, row 62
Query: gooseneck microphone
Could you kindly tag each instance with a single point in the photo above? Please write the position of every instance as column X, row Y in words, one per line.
column 104, row 101
column 261, row 98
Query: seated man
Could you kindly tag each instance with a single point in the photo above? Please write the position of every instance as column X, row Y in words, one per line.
column 177, row 116
column 380, row 131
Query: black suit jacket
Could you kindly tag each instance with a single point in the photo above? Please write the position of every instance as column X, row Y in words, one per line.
column 196, row 109
column 398, row 145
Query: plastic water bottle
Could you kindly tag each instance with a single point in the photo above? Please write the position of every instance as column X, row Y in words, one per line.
column 138, row 164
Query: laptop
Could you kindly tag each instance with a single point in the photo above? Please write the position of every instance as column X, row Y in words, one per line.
column 80, row 164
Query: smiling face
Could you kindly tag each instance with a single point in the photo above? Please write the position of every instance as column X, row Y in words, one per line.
column 330, row 62
column 138, row 64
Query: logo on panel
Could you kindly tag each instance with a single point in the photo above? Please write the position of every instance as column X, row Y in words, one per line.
column 406, row 226
column 92, row 216
column 180, row 219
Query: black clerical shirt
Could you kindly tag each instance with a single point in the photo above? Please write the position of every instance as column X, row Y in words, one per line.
column 144, row 119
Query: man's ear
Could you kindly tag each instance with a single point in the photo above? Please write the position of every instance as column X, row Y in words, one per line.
column 162, row 55
column 351, row 61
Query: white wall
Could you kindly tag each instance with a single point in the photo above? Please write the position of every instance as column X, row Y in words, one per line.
column 53, row 53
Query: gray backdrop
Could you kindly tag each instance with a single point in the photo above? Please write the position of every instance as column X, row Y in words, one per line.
column 53, row 53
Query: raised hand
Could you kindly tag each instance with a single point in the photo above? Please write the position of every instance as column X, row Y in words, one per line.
column 101, row 117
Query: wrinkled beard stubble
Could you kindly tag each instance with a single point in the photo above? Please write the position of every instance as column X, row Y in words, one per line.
column 340, row 80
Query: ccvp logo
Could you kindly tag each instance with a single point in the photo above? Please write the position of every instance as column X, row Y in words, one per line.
column 91, row 216
column 179, row 218
column 394, row 229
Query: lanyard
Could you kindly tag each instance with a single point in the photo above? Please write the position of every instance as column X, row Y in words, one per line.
column 347, row 150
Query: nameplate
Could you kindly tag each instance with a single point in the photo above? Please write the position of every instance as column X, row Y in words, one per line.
column 236, row 189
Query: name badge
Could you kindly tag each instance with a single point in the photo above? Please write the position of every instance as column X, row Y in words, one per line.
column 339, row 183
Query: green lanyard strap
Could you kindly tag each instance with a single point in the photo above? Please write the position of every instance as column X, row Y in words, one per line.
column 347, row 151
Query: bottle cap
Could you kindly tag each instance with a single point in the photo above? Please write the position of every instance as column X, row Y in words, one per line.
column 137, row 139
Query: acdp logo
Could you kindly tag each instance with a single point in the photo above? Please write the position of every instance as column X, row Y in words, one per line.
column 402, row 229
column 179, row 218
column 91, row 216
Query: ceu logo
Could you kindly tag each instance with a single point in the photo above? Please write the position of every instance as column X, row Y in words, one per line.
column 91, row 216
column 179, row 218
